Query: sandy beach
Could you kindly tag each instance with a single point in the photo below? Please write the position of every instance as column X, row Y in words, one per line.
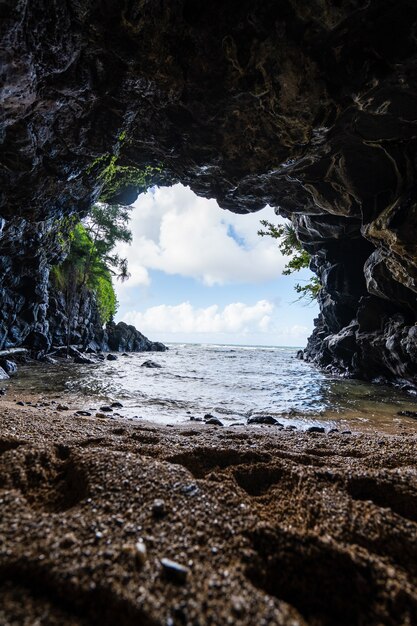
column 107, row 521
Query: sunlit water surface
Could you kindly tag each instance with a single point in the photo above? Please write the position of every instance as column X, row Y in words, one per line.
column 230, row 382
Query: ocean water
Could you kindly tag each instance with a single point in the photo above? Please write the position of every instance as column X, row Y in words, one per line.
column 231, row 382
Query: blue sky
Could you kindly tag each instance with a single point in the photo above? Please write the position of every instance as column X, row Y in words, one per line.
column 202, row 274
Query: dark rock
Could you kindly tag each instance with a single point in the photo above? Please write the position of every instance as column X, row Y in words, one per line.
column 315, row 429
column 106, row 409
column 3, row 375
column 3, row 391
column 158, row 508
column 62, row 407
column 264, row 419
column 346, row 432
column 83, row 359
column 112, row 357
column 9, row 367
column 83, row 413
column 20, row 403
column 116, row 405
column 150, row 364
column 195, row 419
column 174, row 572
column 412, row 414
column 123, row 337
column 333, row 430
column 48, row 359
column 300, row 355
column 214, row 421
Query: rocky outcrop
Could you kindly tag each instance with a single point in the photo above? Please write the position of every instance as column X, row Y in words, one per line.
column 306, row 105
column 123, row 337
column 86, row 327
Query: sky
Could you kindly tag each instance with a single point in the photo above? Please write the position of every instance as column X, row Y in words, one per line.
column 201, row 274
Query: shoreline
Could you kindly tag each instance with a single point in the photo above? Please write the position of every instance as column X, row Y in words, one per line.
column 265, row 526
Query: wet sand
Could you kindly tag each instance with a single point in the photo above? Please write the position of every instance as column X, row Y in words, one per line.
column 265, row 526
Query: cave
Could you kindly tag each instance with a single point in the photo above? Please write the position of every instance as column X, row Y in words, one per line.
column 306, row 105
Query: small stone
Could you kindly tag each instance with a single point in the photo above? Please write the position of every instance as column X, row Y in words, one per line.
column 116, row 405
column 20, row 403
column 174, row 572
column 158, row 508
column 106, row 409
column 83, row 413
column 333, row 430
column 141, row 553
column 412, row 414
column 62, row 407
column 150, row 364
column 264, row 419
column 346, row 432
column 214, row 421
column 111, row 357
column 316, row 429
column 195, row 419
column 68, row 540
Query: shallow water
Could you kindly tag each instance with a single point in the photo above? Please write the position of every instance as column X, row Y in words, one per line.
column 231, row 382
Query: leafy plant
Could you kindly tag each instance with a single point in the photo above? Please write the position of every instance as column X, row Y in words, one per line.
column 290, row 245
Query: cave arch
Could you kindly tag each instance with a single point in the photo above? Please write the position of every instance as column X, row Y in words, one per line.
column 306, row 106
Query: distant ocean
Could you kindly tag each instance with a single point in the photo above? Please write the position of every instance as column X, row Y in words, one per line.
column 230, row 382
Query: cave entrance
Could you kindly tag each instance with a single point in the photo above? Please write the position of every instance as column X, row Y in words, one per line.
column 199, row 273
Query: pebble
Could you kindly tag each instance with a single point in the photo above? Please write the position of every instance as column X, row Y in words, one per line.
column 195, row 419
column 175, row 572
column 346, row 432
column 83, row 413
column 112, row 357
column 116, row 405
column 106, row 409
column 62, row 407
column 158, row 508
column 316, row 429
column 20, row 403
column 333, row 430
column 141, row 553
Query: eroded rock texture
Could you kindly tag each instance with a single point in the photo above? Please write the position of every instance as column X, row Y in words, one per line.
column 308, row 105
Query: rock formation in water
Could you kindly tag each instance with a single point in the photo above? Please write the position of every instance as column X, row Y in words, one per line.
column 308, row 105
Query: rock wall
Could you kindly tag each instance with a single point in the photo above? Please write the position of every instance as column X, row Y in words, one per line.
column 308, row 105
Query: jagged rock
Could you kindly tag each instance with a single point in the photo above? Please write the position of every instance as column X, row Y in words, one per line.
column 123, row 337
column 305, row 106
column 8, row 366
column 82, row 359
column 111, row 357
column 3, row 375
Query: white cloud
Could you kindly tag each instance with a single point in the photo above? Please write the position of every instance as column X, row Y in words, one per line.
column 179, row 233
column 184, row 318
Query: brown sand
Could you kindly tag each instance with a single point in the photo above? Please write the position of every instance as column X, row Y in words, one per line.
column 273, row 527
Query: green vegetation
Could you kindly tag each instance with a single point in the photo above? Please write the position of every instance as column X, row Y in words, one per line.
column 114, row 178
column 289, row 245
column 90, row 263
